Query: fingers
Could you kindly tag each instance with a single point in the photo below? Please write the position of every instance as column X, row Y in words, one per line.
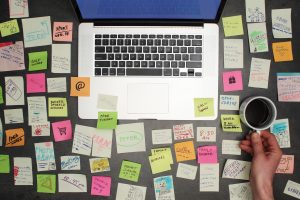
column 246, row 148
column 256, row 144
column 246, row 142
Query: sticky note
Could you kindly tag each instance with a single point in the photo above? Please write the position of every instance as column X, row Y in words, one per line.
column 259, row 73
column 101, row 186
column 206, row 134
column 46, row 183
column 207, row 154
column 280, row 128
column 204, row 107
column 70, row 162
column 183, row 131
column 255, row 11
column 102, row 143
column 80, row 86
column 209, row 178
column 107, row 120
column 45, row 158
column 13, row 116
column 61, row 58
column 130, row 171
column 107, row 102
column 38, row 60
column 12, row 57
column 231, row 147
column 125, row 190
column 4, row 164
column 62, row 130
column 282, row 23
column 57, row 107
column 288, row 87
column 57, row 84
column 37, row 110
column 233, row 25
column 1, row 133
column 15, row 137
column 166, row 151
column 9, row 28
column 232, row 81
column 99, row 165
column 83, row 140
column 23, row 171
column 282, row 51
column 164, row 188
column 76, row 183
column 185, row 151
column 237, row 169
column 40, row 129
column 292, row 188
column 1, row 95
column 229, row 102
column 231, row 123
column 162, row 136
column 18, row 8
column 286, row 165
column 159, row 163
column 258, row 38
column 14, row 90
column 62, row 31
column 186, row 171
column 240, row 191
column 233, row 53
column 36, row 83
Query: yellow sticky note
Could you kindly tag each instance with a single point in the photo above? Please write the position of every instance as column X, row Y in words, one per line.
column 185, row 151
column 57, row 107
column 165, row 151
column 159, row 163
column 15, row 137
column 204, row 107
column 282, row 51
column 231, row 123
column 233, row 25
column 80, row 86
column 9, row 28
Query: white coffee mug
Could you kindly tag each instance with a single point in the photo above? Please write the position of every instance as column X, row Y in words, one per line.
column 268, row 103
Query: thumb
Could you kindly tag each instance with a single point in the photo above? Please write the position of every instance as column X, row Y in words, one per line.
column 256, row 144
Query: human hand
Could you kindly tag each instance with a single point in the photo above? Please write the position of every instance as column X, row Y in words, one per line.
column 266, row 157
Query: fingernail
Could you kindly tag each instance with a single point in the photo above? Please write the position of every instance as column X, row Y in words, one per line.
column 255, row 135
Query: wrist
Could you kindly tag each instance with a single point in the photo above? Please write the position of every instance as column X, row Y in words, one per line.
column 262, row 191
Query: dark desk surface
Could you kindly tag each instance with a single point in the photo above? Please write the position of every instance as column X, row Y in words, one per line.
column 61, row 10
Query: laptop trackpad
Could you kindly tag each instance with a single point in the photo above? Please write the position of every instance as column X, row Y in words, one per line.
column 147, row 98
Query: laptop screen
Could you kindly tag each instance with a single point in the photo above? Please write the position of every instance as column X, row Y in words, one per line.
column 149, row 9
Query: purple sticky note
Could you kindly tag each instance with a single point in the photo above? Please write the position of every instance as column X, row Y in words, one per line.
column 62, row 130
column 207, row 154
column 101, row 186
column 232, row 81
column 36, row 83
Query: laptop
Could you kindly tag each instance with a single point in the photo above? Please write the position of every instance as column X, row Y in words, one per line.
column 155, row 56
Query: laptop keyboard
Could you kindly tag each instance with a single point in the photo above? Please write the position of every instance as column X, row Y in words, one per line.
column 148, row 55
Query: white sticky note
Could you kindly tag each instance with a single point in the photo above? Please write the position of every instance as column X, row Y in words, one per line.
column 126, row 192
column 240, row 191
column 40, row 129
column 37, row 110
column 56, row 84
column 231, row 147
column 45, row 158
column 107, row 102
column 37, row 31
column 61, row 58
column 209, row 177
column 164, row 188
column 233, row 53
column 292, row 188
column 282, row 23
column 130, row 138
column 186, row 171
column 83, row 140
column 280, row 128
column 18, row 8
column 162, row 136
column 72, row 183
column 12, row 57
column 237, row 169
column 183, row 131
column 259, row 73
column 229, row 102
column 102, row 143
column 206, row 134
column 70, row 162
column 1, row 133
column 13, row 116
column 23, row 171
column 255, row 11
column 14, row 90
column 258, row 38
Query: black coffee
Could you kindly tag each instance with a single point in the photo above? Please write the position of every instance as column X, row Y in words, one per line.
column 258, row 113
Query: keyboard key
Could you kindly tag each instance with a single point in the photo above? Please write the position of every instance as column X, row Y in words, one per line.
column 99, row 49
column 111, row 56
column 163, row 57
column 157, row 42
column 179, row 42
column 190, row 72
column 196, row 57
column 98, row 36
column 112, row 71
column 174, row 64
column 175, row 36
column 98, row 42
column 191, row 49
column 144, row 64
column 172, row 42
column 135, row 42
column 121, row 36
column 118, row 56
column 175, row 49
column 160, row 36
column 183, row 49
column 168, row 49
column 129, row 64
column 146, row 49
column 198, row 74
column 124, row 49
column 175, row 72
column 113, row 36
column 120, row 42
column 197, row 42
column 128, row 36
column 105, row 36
column 165, row 42
column 191, row 36
column 144, row 72
column 140, row 56
column 144, row 36
column 167, row 72
column 193, row 64
column 100, row 57
column 153, row 49
column 155, row 56
column 183, row 74
column 167, row 36
column 159, row 64
column 112, row 42
column 102, row 63
column 104, row 71
column 151, row 64
column 198, row 49
column 132, row 56
column 143, row 42
column 130, row 49
column 151, row 36
column 182, row 64
column 147, row 56
column 170, row 57
column 108, row 49
column 136, row 36
column 177, row 56
column 161, row 49
column 114, row 63
column 137, row 64
column 198, row 36
column 150, row 42
column 105, row 42
column 182, row 36
column 185, row 56
column 121, row 71
column 121, row 63
column 98, row 71
column 126, row 56
column 167, row 64
column 187, row 42
column 116, row 49
column 127, row 42
column 139, row 49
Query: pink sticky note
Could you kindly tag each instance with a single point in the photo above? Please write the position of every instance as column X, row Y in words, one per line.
column 62, row 31
column 62, row 130
column 207, row 154
column 286, row 165
column 36, row 83
column 101, row 186
column 232, row 81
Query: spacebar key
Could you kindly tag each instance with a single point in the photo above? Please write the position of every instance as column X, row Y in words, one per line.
column 144, row 72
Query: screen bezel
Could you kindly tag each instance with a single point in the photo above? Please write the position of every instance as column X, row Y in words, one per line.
column 148, row 22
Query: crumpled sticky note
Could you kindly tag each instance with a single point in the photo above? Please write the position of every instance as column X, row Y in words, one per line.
column 107, row 120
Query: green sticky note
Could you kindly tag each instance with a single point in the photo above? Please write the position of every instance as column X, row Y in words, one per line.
column 1, row 95
column 107, row 120
column 4, row 164
column 38, row 60
column 233, row 25
column 159, row 163
column 9, row 28
column 204, row 107
column 130, row 171
column 46, row 183
column 231, row 123
column 166, row 151
column 57, row 107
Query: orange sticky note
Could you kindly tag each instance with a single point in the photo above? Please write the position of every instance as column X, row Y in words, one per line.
column 185, row 151
column 15, row 137
column 282, row 51
column 62, row 31
column 80, row 86
column 286, row 165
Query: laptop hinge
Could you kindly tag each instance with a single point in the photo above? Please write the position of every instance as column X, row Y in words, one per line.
column 148, row 23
